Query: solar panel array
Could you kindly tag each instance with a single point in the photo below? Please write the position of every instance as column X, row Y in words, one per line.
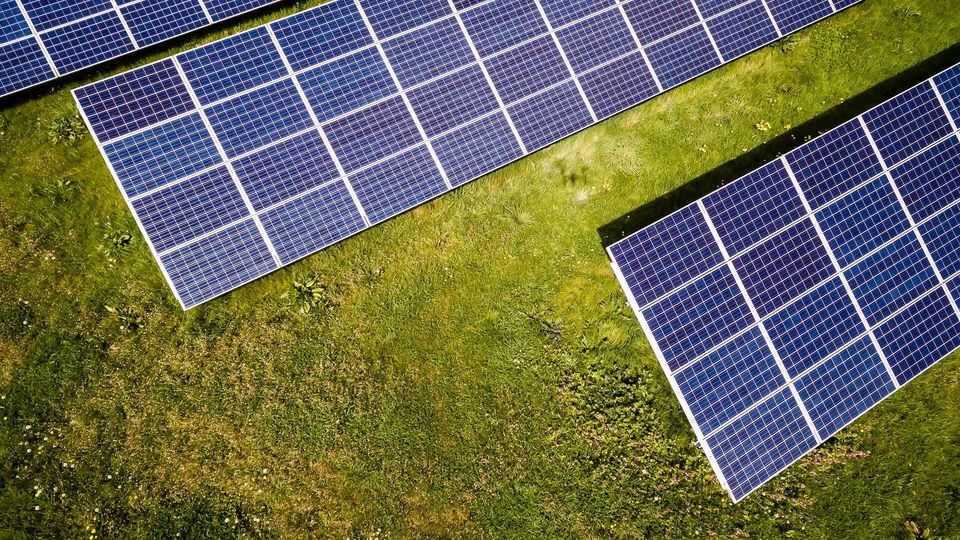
column 41, row 40
column 249, row 153
column 789, row 302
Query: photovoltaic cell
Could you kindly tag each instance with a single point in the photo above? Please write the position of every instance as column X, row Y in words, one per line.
column 842, row 248
column 891, row 278
column 317, row 219
column 754, row 207
column 231, row 66
column 561, row 12
column 930, row 180
column 152, row 21
column 761, row 443
column 81, row 33
column 862, row 221
column 783, row 267
column 386, row 105
column 814, row 327
column 941, row 234
column 154, row 157
column 907, row 123
column 729, row 380
column 840, row 389
column 683, row 56
column 698, row 317
column 742, row 30
column 919, row 336
column 834, row 163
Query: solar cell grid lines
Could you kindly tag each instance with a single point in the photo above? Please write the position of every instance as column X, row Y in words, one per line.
column 41, row 40
column 791, row 301
column 390, row 104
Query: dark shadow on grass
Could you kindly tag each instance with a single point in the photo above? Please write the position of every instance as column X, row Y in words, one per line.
column 137, row 58
column 701, row 186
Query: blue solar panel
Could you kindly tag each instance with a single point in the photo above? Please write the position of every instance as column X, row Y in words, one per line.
column 284, row 170
column 667, row 254
column 162, row 154
column 134, row 100
column 199, row 205
column 399, row 101
column 389, row 17
column 941, row 234
column 618, row 85
column 698, row 317
column 792, row 15
column 501, row 24
column 320, row 34
column 850, row 301
column 930, row 180
column 862, row 221
column 757, row 445
column 417, row 177
column 80, row 33
column 948, row 85
column 742, row 30
column 561, row 12
column 428, row 52
column 454, row 100
column 834, row 163
column 891, row 278
column 920, row 335
column 783, row 267
column 596, row 41
column 217, row 263
column 22, row 64
column 259, row 118
column 754, row 207
column 709, row 8
column 729, row 380
column 46, row 14
column 373, row 134
column 152, row 21
column 87, row 42
column 312, row 221
column 550, row 116
column 527, row 69
column 13, row 25
column 683, row 56
column 655, row 19
column 907, row 123
column 814, row 327
column 840, row 389
column 347, row 84
column 231, row 66
column 478, row 148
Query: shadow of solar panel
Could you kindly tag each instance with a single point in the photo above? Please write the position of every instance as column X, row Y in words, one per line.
column 400, row 101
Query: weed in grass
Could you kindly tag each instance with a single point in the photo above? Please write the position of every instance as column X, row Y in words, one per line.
column 308, row 293
column 58, row 191
column 115, row 243
column 788, row 44
column 906, row 12
column 130, row 319
column 518, row 214
column 65, row 126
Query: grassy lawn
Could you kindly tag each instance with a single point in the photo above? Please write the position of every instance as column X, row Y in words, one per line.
column 469, row 369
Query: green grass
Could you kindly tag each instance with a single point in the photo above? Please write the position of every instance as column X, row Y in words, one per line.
column 469, row 369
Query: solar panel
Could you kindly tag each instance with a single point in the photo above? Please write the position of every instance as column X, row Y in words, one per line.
column 390, row 103
column 41, row 40
column 792, row 300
